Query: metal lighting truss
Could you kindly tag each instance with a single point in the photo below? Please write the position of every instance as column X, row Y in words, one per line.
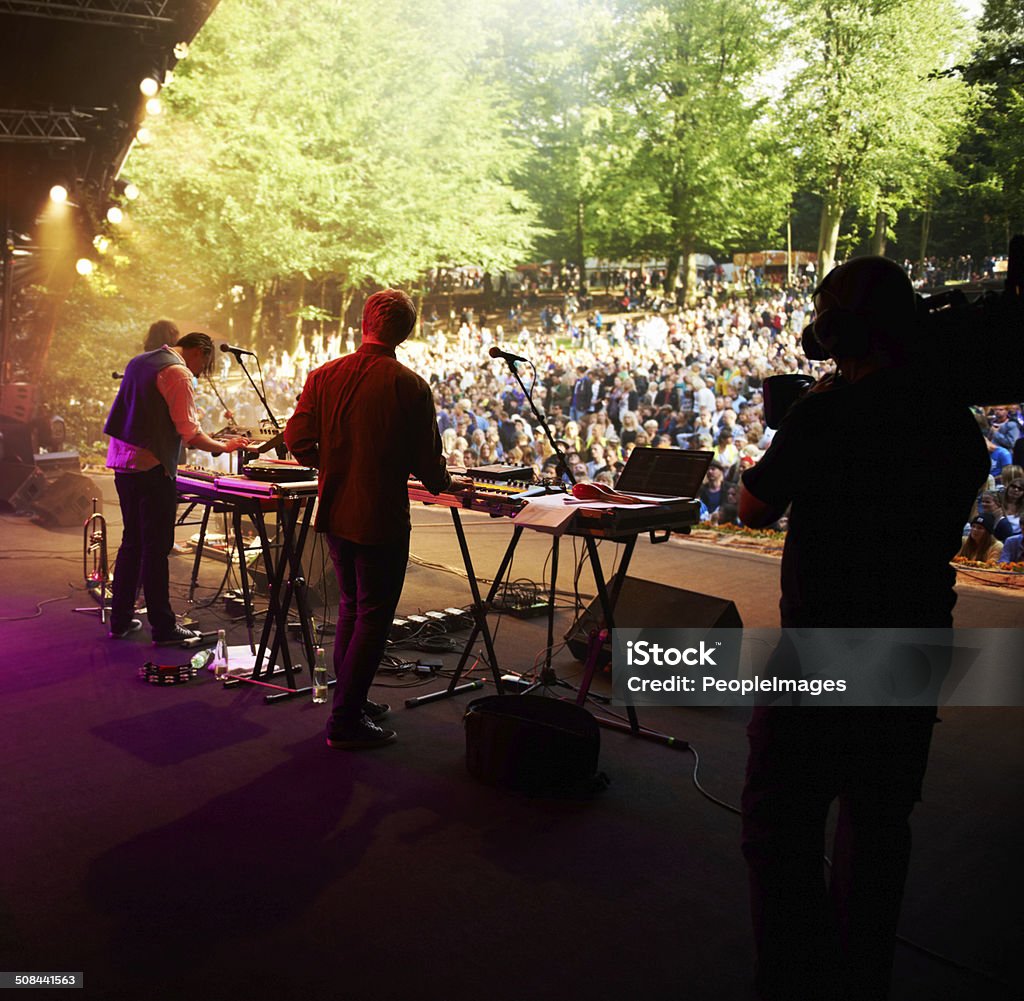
column 114, row 13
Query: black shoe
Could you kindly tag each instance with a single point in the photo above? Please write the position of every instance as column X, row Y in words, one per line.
column 361, row 734
column 119, row 634
column 177, row 635
column 375, row 711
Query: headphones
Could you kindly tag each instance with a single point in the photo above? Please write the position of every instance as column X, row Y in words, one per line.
column 838, row 332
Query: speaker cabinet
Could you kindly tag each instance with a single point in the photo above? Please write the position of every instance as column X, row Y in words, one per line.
column 321, row 581
column 17, row 441
column 20, row 485
column 644, row 604
column 18, row 401
column 67, row 501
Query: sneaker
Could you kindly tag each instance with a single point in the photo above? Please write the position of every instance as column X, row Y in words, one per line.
column 119, row 634
column 375, row 711
column 177, row 635
column 358, row 735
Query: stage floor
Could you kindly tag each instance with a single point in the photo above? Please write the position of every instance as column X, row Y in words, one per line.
column 194, row 841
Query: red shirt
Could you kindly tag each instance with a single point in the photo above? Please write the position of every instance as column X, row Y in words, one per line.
column 367, row 422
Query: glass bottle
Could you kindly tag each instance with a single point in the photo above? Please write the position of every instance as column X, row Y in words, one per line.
column 320, row 676
column 220, row 656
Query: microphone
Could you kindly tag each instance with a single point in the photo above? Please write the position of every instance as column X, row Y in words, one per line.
column 117, row 375
column 496, row 352
column 236, row 351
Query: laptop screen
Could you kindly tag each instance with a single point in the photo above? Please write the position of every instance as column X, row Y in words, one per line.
column 664, row 472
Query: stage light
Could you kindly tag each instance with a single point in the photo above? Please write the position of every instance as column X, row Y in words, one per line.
column 154, row 106
column 84, row 266
column 149, row 86
column 144, row 137
column 126, row 189
column 115, row 216
column 59, row 194
column 181, row 50
column 101, row 243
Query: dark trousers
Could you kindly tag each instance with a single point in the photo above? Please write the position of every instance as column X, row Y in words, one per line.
column 818, row 942
column 370, row 580
column 149, row 503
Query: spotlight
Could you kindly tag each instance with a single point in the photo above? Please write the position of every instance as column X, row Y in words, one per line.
column 115, row 216
column 101, row 243
column 144, row 136
column 84, row 266
column 59, row 194
column 126, row 190
column 150, row 86
column 154, row 106
column 181, row 50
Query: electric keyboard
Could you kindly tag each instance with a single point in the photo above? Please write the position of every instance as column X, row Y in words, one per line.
column 263, row 439
column 193, row 481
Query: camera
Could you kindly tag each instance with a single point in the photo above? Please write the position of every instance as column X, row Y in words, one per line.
column 976, row 341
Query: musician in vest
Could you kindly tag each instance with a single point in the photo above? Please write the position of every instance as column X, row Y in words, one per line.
column 153, row 415
column 367, row 422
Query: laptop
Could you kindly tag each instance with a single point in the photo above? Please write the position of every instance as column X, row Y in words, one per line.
column 664, row 472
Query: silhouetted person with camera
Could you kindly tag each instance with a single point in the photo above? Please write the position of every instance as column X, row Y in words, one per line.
column 818, row 942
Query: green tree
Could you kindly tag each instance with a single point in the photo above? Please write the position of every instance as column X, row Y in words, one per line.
column 550, row 59
column 694, row 164
column 993, row 153
column 304, row 145
column 871, row 115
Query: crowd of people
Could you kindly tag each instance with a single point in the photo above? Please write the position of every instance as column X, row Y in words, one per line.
column 687, row 377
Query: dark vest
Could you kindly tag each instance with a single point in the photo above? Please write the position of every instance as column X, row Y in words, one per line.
column 140, row 415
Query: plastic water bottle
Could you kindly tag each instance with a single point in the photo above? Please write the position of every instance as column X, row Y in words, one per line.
column 220, row 656
column 320, row 676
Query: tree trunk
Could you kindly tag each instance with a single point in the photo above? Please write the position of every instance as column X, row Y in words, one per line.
column 926, row 228
column 580, row 259
column 300, row 303
column 256, row 292
column 347, row 295
column 828, row 235
column 417, row 301
column 688, row 265
column 789, row 249
column 879, row 236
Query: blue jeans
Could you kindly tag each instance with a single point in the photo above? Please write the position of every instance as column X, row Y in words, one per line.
column 370, row 580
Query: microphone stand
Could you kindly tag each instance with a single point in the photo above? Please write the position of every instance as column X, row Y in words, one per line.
column 547, row 678
column 262, row 398
column 280, row 450
column 563, row 462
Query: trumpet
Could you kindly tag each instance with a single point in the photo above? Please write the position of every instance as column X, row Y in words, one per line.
column 95, row 567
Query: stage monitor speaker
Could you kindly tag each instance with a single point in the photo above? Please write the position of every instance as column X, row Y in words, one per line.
column 67, row 501
column 20, row 484
column 321, row 581
column 18, row 401
column 644, row 604
column 17, row 441
column 52, row 464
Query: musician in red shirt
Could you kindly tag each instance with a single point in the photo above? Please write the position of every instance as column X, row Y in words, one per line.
column 367, row 422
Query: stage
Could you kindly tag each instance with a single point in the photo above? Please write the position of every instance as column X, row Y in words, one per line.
column 193, row 841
